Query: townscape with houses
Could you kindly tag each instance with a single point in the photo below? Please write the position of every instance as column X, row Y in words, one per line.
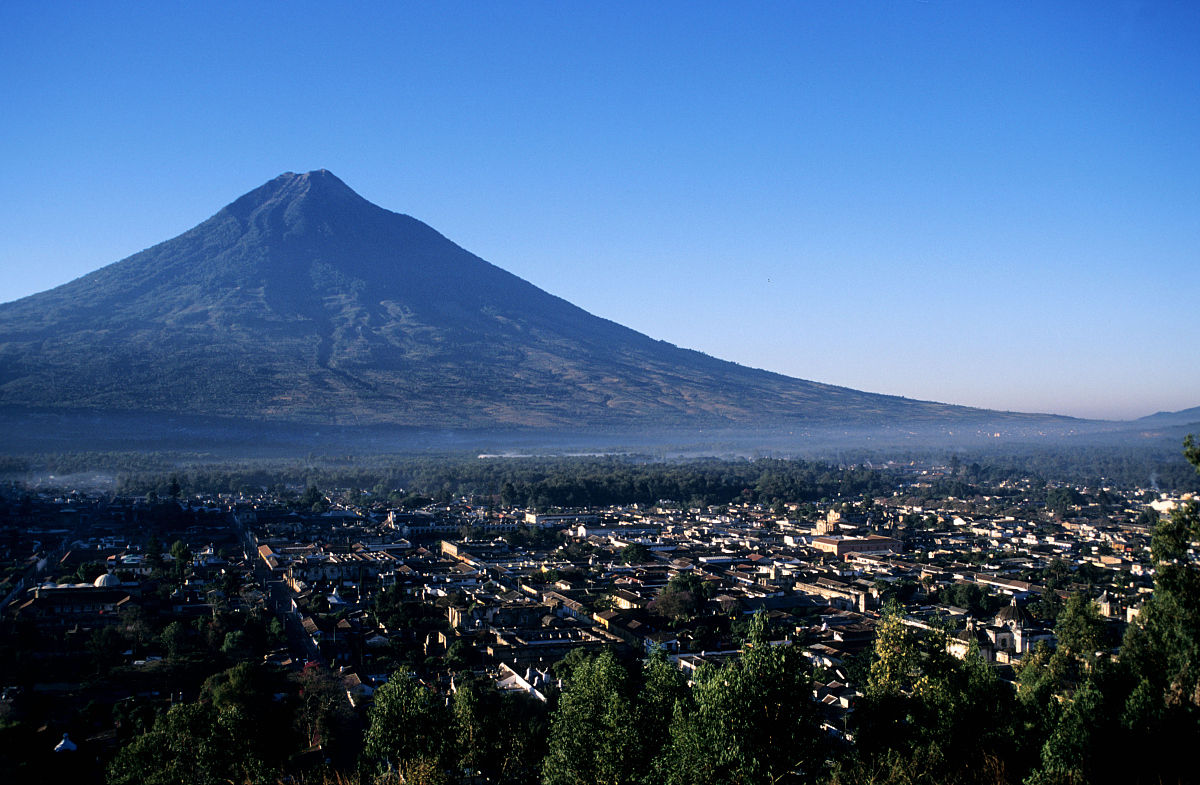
column 116, row 607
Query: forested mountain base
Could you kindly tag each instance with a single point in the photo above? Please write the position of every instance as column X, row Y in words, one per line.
column 549, row 481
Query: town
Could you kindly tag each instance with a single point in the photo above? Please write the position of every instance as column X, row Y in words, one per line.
column 311, row 601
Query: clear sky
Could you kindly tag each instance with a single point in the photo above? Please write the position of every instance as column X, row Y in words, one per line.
column 994, row 204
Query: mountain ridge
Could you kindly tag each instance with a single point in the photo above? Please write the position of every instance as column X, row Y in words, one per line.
column 302, row 301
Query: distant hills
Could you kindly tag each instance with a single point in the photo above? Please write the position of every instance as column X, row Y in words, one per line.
column 303, row 303
column 1182, row 417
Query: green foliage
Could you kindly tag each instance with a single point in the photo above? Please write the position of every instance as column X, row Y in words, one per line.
column 154, row 552
column 397, row 611
column 1080, row 628
column 1093, row 711
column 897, row 657
column 663, row 689
column 312, row 500
column 458, row 654
column 106, row 646
column 752, row 720
column 593, row 738
column 89, row 571
column 972, row 597
column 926, row 716
column 192, row 743
column 245, row 687
column 1191, row 450
column 923, row 717
column 235, row 646
column 176, row 639
column 321, row 715
column 276, row 633
column 1061, row 499
column 1161, row 649
column 408, row 723
column 499, row 735
column 1047, row 607
column 635, row 553
column 133, row 716
column 1043, row 677
column 675, row 605
column 683, row 598
column 182, row 554
column 572, row 661
column 612, row 721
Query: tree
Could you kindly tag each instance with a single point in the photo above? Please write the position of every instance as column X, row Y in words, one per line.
column 1061, row 500
column 592, row 735
column 663, row 688
column 106, row 646
column 231, row 582
column 312, row 500
column 1080, row 628
column 500, row 735
column 154, row 552
column 89, row 571
column 751, row 721
column 409, row 725
column 473, row 729
column 927, row 716
column 322, row 716
column 245, row 686
column 192, row 743
column 972, row 597
column 133, row 716
column 896, row 657
column 175, row 639
column 1081, row 743
column 1047, row 607
column 572, row 661
column 1149, row 700
column 635, row 553
column 182, row 555
column 235, row 646
column 458, row 654
column 682, row 598
column 673, row 605
column 135, row 625
column 1161, row 648
column 276, row 634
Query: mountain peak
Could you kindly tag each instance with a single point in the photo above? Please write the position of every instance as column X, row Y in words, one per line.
column 292, row 198
column 320, row 183
column 303, row 301
column 317, row 178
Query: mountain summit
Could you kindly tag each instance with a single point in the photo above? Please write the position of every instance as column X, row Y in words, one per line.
column 303, row 302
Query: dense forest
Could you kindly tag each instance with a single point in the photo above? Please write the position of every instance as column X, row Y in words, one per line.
column 545, row 482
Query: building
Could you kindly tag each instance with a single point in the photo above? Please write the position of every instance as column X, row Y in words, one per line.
column 872, row 543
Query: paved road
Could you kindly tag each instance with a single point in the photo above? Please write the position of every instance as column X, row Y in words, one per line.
column 280, row 601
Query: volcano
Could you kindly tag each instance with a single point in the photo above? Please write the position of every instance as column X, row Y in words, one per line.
column 302, row 302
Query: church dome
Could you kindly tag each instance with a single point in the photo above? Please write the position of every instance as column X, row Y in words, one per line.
column 106, row 580
column 1014, row 615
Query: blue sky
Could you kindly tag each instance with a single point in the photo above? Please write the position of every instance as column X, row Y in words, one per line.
column 994, row 204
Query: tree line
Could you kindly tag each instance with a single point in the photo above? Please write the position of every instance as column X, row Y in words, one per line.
column 543, row 483
column 1136, row 464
